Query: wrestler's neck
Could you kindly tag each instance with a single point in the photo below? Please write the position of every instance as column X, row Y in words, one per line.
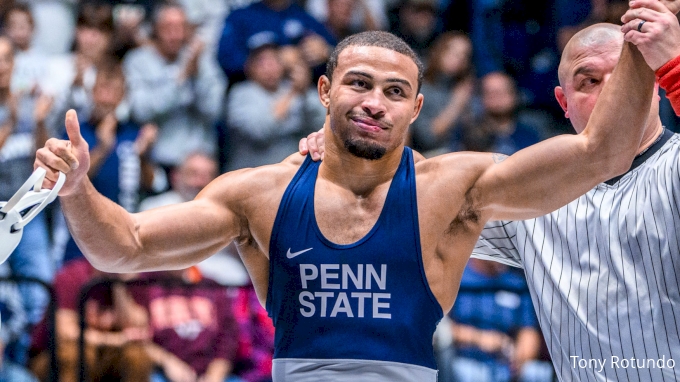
column 653, row 130
column 359, row 175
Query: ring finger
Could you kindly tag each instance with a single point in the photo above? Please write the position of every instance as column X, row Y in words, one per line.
column 638, row 25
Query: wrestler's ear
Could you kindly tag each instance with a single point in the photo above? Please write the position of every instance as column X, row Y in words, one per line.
column 324, row 88
column 418, row 106
column 562, row 100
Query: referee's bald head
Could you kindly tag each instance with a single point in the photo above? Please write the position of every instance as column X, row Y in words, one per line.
column 602, row 38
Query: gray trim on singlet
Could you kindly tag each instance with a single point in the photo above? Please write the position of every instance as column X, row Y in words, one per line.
column 348, row 370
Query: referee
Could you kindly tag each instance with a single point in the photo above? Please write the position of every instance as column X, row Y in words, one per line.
column 604, row 271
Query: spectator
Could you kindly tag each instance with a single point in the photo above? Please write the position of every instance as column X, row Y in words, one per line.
column 193, row 328
column 345, row 17
column 77, row 71
column 418, row 23
column 30, row 65
column 22, row 129
column 495, row 327
column 186, row 182
column 505, row 35
column 5, row 6
column 448, row 84
column 119, row 167
column 175, row 85
column 12, row 327
column 268, row 114
column 502, row 127
column 256, row 337
column 54, row 21
column 272, row 21
column 131, row 20
column 207, row 16
column 116, row 329
column 516, row 37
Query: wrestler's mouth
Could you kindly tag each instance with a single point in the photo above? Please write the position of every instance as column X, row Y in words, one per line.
column 368, row 124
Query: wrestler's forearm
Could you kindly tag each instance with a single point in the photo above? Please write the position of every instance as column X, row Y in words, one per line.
column 103, row 230
column 166, row 238
column 552, row 173
column 615, row 128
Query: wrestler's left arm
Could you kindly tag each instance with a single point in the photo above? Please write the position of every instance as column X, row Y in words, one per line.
column 552, row 173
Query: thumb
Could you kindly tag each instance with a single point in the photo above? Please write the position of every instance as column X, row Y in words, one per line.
column 73, row 129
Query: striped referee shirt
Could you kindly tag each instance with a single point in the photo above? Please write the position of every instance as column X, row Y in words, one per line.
column 604, row 272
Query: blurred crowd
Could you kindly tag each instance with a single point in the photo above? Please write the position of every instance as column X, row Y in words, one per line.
column 170, row 94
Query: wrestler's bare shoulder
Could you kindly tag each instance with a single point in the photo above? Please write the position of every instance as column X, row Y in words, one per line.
column 461, row 169
column 243, row 189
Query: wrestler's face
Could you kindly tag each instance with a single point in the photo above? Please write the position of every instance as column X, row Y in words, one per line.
column 372, row 99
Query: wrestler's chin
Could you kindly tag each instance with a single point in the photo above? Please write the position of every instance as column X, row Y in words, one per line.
column 365, row 149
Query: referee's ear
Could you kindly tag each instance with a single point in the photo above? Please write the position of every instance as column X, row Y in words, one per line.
column 562, row 100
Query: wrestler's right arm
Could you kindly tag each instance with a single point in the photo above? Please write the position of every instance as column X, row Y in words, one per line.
column 114, row 240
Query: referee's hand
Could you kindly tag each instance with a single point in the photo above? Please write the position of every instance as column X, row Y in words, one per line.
column 72, row 157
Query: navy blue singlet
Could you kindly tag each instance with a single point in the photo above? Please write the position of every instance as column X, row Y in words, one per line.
column 356, row 312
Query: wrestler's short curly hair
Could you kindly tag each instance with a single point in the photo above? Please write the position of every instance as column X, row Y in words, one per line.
column 380, row 39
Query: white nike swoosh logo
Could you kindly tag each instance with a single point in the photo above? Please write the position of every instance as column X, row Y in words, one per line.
column 290, row 254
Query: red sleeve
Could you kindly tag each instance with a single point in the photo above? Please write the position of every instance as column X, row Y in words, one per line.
column 669, row 79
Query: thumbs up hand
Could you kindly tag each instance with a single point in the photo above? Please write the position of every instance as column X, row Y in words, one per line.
column 72, row 157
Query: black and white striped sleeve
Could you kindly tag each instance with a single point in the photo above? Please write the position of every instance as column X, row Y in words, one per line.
column 496, row 243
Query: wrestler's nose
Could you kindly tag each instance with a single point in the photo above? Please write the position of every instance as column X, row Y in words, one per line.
column 374, row 103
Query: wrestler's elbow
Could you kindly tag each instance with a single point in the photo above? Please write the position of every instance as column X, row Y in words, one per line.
column 608, row 159
column 125, row 256
column 117, row 264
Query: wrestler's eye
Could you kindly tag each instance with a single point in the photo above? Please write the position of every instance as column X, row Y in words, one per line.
column 359, row 83
column 396, row 91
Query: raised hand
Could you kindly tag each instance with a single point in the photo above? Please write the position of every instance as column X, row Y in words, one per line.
column 42, row 109
column 653, row 27
column 315, row 49
column 146, row 138
column 191, row 67
column 72, row 157
column 672, row 5
column 106, row 131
